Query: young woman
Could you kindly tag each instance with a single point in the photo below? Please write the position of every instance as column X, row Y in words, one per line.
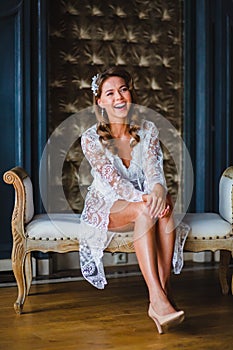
column 128, row 192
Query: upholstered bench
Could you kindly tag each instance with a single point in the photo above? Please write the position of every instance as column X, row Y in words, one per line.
column 60, row 232
column 210, row 232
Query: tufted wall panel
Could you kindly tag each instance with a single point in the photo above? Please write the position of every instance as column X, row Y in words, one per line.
column 145, row 37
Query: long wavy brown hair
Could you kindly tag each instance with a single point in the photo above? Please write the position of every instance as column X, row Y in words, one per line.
column 103, row 127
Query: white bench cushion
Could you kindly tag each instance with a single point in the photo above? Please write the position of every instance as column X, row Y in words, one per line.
column 54, row 226
column 60, row 226
column 207, row 226
column 67, row 226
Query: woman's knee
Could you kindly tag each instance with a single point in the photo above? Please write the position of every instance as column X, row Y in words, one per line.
column 144, row 215
column 123, row 213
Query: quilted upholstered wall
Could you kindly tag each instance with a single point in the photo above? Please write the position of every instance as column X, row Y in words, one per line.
column 143, row 36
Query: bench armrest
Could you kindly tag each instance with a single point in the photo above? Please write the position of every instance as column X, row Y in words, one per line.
column 24, row 206
column 226, row 195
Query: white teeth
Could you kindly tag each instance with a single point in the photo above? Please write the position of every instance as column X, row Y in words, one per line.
column 120, row 105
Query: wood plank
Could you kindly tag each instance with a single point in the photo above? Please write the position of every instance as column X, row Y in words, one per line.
column 75, row 315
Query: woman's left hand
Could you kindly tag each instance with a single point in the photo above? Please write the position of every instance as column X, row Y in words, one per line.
column 156, row 201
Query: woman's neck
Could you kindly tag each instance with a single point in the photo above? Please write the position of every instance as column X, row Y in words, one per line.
column 119, row 130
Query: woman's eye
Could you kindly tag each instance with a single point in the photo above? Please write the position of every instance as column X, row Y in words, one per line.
column 124, row 89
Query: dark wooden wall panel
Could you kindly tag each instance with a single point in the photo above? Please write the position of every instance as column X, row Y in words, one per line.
column 11, row 114
column 23, row 114
column 145, row 37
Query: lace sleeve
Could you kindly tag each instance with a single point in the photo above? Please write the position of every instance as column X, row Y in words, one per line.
column 102, row 165
column 153, row 161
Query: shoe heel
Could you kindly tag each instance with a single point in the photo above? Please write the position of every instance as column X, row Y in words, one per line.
column 156, row 321
column 158, row 325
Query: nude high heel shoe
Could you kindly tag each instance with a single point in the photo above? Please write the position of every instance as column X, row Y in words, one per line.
column 166, row 321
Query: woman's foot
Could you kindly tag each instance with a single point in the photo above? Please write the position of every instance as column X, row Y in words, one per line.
column 165, row 321
column 161, row 303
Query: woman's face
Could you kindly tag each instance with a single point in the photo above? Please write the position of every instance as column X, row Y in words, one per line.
column 115, row 99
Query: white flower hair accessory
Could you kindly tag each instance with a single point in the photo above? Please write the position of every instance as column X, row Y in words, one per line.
column 94, row 85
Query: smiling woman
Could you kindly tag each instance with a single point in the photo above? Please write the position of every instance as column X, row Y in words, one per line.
column 128, row 192
column 115, row 99
column 114, row 104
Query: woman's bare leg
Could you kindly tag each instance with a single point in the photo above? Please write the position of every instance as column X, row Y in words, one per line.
column 165, row 247
column 123, row 214
column 165, row 240
column 147, row 255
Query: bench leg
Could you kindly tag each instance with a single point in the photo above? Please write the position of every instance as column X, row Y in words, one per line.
column 28, row 272
column 225, row 257
column 18, row 260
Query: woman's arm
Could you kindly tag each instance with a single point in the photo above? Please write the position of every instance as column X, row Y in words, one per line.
column 153, row 158
column 153, row 168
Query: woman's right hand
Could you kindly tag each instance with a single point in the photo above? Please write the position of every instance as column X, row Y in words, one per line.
column 156, row 201
column 155, row 212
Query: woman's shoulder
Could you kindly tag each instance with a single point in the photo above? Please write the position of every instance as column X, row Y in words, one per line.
column 149, row 127
column 90, row 132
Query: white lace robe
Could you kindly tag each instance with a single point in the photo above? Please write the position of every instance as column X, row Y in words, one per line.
column 112, row 181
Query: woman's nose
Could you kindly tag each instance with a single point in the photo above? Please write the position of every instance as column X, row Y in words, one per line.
column 118, row 95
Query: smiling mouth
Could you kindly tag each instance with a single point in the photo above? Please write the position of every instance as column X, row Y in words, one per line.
column 120, row 105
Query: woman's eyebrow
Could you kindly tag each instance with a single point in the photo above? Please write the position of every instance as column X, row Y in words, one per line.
column 124, row 85
column 108, row 90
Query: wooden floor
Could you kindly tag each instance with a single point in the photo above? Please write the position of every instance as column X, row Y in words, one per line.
column 75, row 315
